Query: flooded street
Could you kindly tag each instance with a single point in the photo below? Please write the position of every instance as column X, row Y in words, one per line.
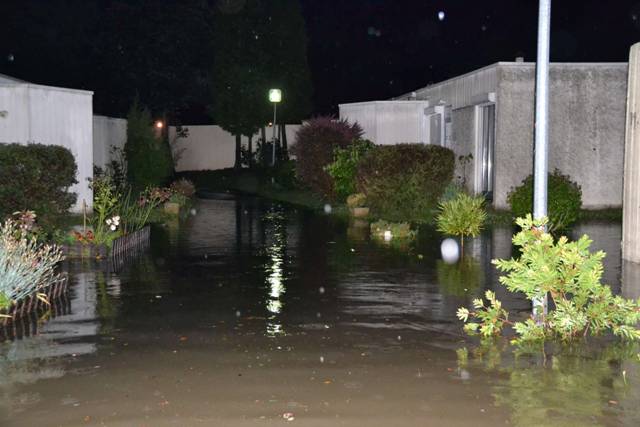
column 253, row 313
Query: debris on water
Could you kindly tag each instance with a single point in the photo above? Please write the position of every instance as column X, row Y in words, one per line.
column 353, row 250
column 158, row 296
column 288, row 416
column 321, row 359
column 321, row 289
column 238, row 313
column 327, row 208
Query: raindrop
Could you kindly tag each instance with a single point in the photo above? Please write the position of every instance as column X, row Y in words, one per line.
column 327, row 208
column 238, row 313
column 441, row 15
column 483, row 28
column 10, row 57
column 318, row 315
column 321, row 359
column 321, row 289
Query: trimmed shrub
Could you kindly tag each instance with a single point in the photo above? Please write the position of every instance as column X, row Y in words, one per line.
column 564, row 200
column 36, row 177
column 345, row 166
column 148, row 158
column 404, row 182
column 316, row 142
column 462, row 216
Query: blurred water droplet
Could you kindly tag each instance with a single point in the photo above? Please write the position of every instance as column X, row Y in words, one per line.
column 321, row 289
column 327, row 208
column 441, row 15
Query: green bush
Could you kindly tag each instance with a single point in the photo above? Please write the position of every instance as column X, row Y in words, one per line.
column 345, row 166
column 148, row 158
column 462, row 216
column 570, row 275
column 36, row 177
column 404, row 182
column 316, row 142
column 564, row 200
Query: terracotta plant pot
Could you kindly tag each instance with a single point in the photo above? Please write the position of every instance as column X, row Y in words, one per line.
column 172, row 208
column 359, row 212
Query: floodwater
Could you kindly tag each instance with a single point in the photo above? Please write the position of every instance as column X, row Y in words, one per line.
column 252, row 313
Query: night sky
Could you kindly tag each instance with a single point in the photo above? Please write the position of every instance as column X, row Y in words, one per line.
column 358, row 49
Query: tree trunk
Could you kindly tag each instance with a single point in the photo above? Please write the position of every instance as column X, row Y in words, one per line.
column 238, row 163
column 250, row 151
column 284, row 144
column 263, row 136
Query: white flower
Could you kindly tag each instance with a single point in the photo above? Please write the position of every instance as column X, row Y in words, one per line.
column 113, row 228
column 116, row 218
column 109, row 221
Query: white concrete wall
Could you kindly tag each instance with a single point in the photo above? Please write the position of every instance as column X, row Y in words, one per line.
column 51, row 116
column 107, row 132
column 388, row 122
column 209, row 147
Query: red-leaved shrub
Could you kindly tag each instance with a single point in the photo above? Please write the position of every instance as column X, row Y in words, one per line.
column 315, row 142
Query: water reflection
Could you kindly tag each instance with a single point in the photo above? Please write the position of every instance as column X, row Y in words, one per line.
column 565, row 386
column 243, row 278
column 275, row 228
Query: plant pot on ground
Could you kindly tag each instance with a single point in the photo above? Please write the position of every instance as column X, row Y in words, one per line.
column 356, row 203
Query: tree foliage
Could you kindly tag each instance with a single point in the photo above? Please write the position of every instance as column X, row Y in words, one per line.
column 570, row 275
column 148, row 157
column 258, row 45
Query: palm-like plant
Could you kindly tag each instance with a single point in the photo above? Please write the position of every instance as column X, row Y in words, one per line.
column 461, row 216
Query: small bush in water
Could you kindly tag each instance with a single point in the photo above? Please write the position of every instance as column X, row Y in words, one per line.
column 462, row 216
column 570, row 274
column 389, row 230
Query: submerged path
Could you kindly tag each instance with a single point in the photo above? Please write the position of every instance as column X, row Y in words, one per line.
column 253, row 313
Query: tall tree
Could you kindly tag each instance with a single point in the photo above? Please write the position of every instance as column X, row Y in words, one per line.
column 259, row 45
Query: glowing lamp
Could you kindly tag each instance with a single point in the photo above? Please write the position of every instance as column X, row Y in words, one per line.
column 275, row 95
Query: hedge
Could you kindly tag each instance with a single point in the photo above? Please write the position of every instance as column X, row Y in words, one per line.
column 36, row 177
column 403, row 182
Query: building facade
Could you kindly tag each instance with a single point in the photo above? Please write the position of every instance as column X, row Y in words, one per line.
column 489, row 115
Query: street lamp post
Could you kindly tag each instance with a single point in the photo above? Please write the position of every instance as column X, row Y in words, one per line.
column 275, row 96
column 541, row 148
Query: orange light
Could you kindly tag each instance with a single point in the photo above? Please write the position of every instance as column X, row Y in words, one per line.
column 159, row 124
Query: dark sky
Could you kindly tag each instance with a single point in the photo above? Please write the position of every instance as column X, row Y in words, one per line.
column 375, row 49
column 358, row 49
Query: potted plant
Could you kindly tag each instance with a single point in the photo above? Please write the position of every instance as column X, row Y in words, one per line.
column 357, row 205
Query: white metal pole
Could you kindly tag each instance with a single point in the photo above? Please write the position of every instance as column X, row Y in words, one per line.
column 273, row 147
column 541, row 148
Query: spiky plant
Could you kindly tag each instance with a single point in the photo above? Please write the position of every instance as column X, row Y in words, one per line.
column 26, row 266
column 461, row 216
